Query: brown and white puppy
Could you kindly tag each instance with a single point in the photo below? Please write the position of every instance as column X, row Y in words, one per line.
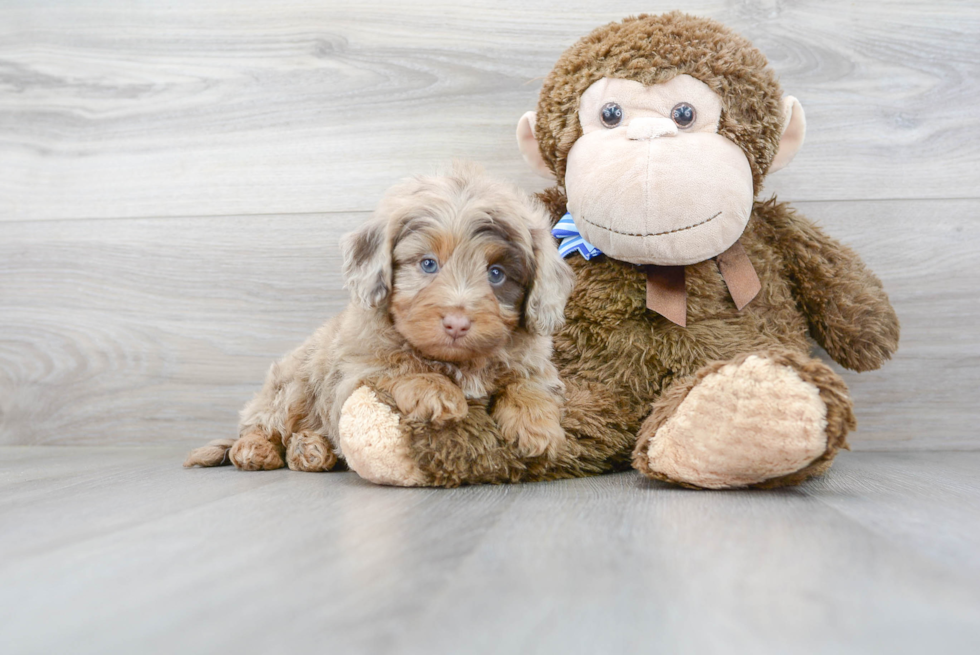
column 456, row 287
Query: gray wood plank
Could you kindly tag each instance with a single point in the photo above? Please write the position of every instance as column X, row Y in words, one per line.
column 139, row 555
column 130, row 109
column 154, row 331
column 217, row 561
column 650, row 568
column 927, row 501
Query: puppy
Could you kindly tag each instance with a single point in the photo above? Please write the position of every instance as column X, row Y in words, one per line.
column 456, row 287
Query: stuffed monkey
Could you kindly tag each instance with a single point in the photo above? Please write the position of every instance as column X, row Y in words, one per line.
column 686, row 348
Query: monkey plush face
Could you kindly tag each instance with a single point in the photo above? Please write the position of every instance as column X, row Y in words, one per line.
column 661, row 130
column 650, row 181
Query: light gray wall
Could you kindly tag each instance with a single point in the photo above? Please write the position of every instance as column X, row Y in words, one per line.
column 174, row 178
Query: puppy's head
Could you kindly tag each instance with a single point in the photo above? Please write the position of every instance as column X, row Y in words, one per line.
column 460, row 262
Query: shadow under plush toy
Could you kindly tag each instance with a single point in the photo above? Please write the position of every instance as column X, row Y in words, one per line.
column 686, row 348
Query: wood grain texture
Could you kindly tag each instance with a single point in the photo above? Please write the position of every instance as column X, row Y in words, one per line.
column 121, row 551
column 121, row 331
column 126, row 109
column 154, row 331
column 255, row 133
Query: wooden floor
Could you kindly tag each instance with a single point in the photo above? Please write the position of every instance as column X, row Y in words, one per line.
column 108, row 550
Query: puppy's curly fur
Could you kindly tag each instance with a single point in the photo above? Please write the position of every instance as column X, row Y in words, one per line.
column 456, row 288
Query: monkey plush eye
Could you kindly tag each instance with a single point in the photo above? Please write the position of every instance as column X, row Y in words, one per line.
column 611, row 115
column 683, row 114
column 496, row 276
column 429, row 265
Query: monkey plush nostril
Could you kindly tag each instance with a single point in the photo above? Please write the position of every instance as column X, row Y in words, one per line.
column 456, row 325
column 650, row 128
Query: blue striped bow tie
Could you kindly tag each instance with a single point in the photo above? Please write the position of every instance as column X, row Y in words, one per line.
column 571, row 239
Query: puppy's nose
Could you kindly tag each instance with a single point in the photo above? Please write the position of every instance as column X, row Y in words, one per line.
column 650, row 128
column 456, row 325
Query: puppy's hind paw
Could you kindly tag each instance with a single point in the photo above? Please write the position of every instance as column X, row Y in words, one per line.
column 310, row 452
column 254, row 452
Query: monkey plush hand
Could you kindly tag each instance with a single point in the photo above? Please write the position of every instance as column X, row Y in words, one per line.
column 686, row 349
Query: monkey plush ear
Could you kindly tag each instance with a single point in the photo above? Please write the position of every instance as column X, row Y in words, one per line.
column 528, row 144
column 367, row 263
column 794, row 130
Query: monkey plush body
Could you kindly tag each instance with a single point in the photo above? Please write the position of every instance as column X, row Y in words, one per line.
column 686, row 349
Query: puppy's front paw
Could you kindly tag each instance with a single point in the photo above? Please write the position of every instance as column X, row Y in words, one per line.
column 429, row 398
column 533, row 424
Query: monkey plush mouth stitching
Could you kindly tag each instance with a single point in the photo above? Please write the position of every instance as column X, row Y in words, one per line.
column 655, row 234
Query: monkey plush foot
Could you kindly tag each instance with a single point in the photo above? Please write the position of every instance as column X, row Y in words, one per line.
column 767, row 419
column 373, row 443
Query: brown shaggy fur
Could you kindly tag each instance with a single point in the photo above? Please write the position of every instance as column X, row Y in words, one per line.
column 618, row 359
column 653, row 49
column 395, row 336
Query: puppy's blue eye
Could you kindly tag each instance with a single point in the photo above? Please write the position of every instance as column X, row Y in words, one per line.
column 496, row 276
column 429, row 265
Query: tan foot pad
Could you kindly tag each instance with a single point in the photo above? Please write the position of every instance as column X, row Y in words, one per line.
column 743, row 424
column 373, row 444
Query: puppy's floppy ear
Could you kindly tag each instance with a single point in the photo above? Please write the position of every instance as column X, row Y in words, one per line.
column 367, row 262
column 544, row 309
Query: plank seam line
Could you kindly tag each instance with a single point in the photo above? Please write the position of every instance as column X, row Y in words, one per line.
column 344, row 212
column 340, row 212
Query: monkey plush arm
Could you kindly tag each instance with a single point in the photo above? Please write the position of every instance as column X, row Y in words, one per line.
column 846, row 307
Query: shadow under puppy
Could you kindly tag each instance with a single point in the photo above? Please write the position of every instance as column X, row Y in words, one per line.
column 456, row 287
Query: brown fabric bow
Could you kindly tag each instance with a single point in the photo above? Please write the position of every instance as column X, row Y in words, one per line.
column 667, row 291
